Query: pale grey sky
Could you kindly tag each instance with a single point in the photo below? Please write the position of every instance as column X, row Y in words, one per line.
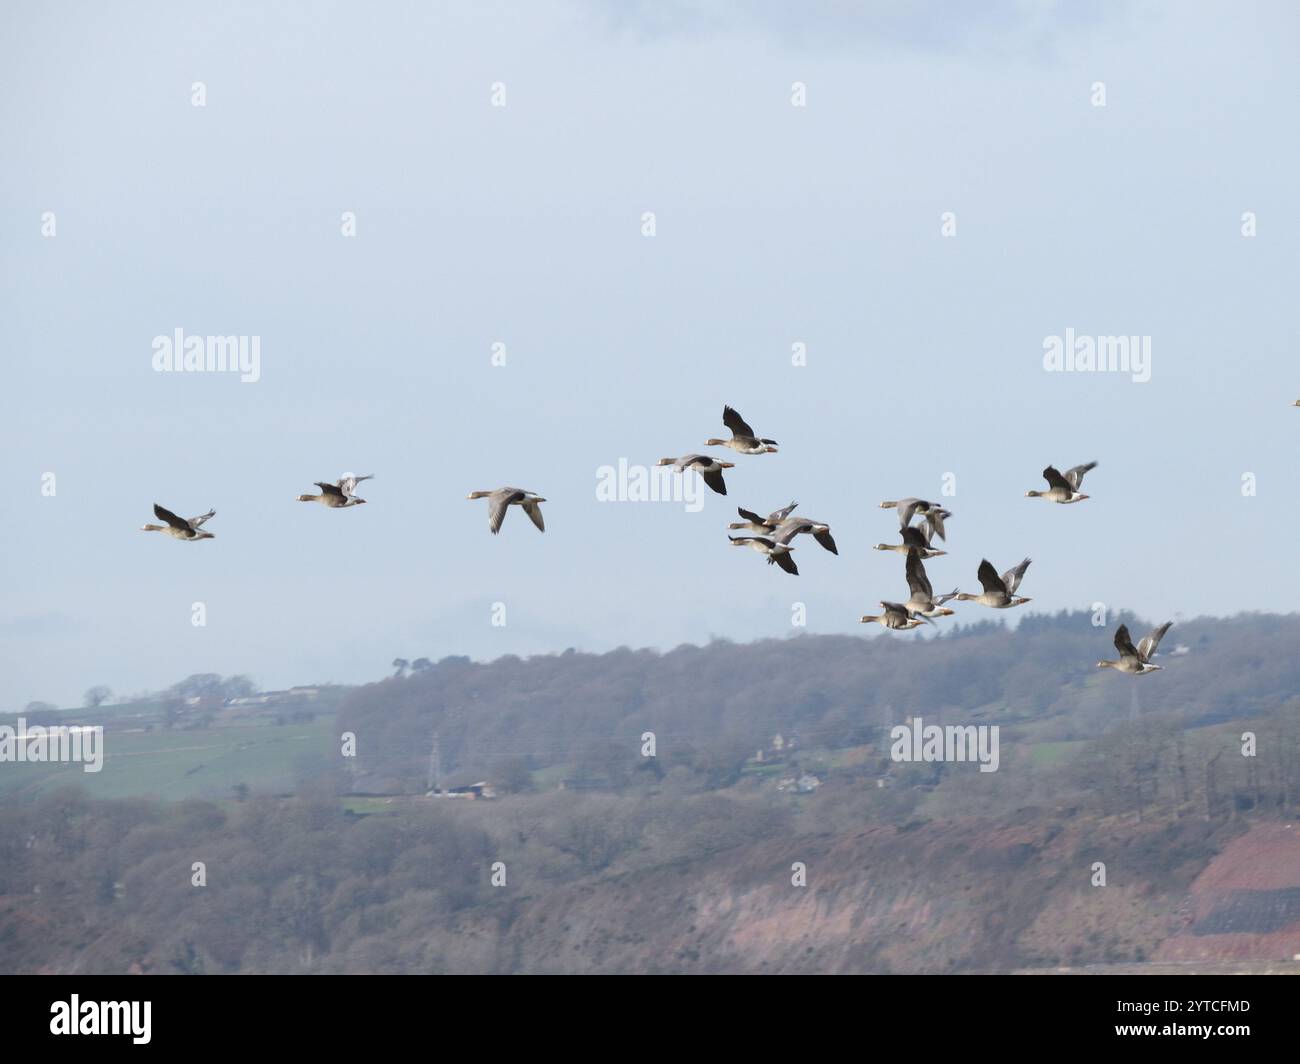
column 522, row 224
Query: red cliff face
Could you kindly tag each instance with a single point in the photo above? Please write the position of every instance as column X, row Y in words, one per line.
column 1245, row 905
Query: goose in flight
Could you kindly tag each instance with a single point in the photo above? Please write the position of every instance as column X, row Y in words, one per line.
column 762, row 525
column 502, row 498
column 179, row 527
column 999, row 591
column 923, row 602
column 895, row 616
column 743, row 440
column 777, row 553
column 1063, row 487
column 1136, row 660
column 338, row 494
column 913, row 539
column 707, row 466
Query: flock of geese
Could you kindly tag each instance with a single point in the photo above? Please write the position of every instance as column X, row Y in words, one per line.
column 773, row 536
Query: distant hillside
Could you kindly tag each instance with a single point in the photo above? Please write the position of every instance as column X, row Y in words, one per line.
column 711, row 707
column 729, row 850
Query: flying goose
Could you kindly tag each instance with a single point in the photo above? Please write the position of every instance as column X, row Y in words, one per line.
column 895, row 617
column 1063, row 487
column 762, row 525
column 913, row 539
column 179, row 527
column 338, row 494
column 502, row 498
column 923, row 602
column 707, row 466
column 743, row 440
column 907, row 508
column 1136, row 660
column 790, row 527
column 999, row 591
column 778, row 553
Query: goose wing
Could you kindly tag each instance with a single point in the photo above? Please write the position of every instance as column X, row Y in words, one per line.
column 786, row 561
column 777, row 516
column 737, row 424
column 752, row 517
column 1012, row 577
column 164, row 514
column 348, row 484
column 989, row 579
column 1075, row 475
column 713, row 478
column 825, row 539
column 917, row 581
column 933, row 522
column 197, row 522
column 1054, row 479
column 908, row 507
column 1124, row 644
column 329, row 489
column 1147, row 648
column 534, row 510
column 913, row 537
column 498, row 502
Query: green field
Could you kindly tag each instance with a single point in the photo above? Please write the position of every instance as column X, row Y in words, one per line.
column 198, row 763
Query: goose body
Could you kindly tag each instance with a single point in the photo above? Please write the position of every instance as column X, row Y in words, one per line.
column 913, row 539
column 339, row 493
column 180, row 527
column 743, row 438
column 923, row 602
column 1136, row 660
column 895, row 617
column 709, row 468
column 1063, row 487
column 999, row 591
column 908, row 508
column 790, row 527
column 503, row 498
column 777, row 553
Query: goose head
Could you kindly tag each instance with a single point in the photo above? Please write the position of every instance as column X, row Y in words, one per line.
column 1033, row 494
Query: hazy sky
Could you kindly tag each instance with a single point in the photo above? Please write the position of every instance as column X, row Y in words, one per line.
column 522, row 224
